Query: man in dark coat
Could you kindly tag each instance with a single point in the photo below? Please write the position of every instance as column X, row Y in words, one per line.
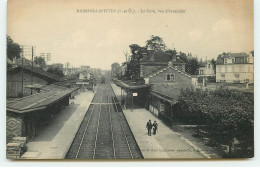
column 149, row 126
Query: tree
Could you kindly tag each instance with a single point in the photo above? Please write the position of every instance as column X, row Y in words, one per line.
column 214, row 62
column 133, row 70
column 192, row 66
column 172, row 52
column 134, row 51
column 183, row 57
column 115, row 70
column 13, row 49
column 56, row 71
column 40, row 61
column 227, row 114
column 155, row 43
column 133, row 67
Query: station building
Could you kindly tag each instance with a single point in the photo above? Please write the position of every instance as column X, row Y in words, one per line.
column 25, row 116
column 166, row 84
column 164, row 78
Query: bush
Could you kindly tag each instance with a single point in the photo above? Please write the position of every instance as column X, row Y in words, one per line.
column 228, row 114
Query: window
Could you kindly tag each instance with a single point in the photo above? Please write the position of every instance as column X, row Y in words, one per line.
column 237, row 76
column 233, row 61
column 225, row 61
column 208, row 65
column 170, row 77
column 201, row 71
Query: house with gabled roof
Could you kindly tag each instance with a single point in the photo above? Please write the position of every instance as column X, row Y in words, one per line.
column 166, row 84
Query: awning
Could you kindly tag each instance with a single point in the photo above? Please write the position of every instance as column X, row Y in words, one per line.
column 131, row 85
column 50, row 95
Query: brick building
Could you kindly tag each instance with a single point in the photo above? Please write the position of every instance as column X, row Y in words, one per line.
column 156, row 60
column 166, row 84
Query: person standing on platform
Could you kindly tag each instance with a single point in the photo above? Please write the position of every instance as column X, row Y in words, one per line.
column 149, row 127
column 155, row 127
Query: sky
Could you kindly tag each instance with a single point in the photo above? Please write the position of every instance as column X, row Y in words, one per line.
column 206, row 28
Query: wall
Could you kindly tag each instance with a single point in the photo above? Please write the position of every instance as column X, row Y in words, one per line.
column 235, row 73
column 207, row 70
column 14, row 83
column 139, row 101
column 180, row 79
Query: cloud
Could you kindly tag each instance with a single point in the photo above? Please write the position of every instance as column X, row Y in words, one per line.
column 196, row 34
column 223, row 25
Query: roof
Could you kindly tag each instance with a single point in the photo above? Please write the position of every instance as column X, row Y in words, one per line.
column 38, row 71
column 159, row 56
column 204, row 63
column 25, row 62
column 233, row 55
column 34, row 86
column 49, row 95
column 221, row 57
column 155, row 71
column 130, row 85
column 166, row 92
column 162, row 69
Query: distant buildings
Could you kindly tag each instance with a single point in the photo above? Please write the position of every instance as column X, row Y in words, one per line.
column 206, row 70
column 85, row 68
column 70, row 71
column 235, row 68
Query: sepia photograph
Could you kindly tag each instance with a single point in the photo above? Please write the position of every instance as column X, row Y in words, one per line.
column 126, row 80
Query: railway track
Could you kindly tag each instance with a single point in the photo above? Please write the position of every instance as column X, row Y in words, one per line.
column 104, row 132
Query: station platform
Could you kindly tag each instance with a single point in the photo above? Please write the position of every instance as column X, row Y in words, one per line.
column 166, row 144
column 54, row 140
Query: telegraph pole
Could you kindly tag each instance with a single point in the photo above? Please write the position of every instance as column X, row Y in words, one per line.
column 32, row 73
column 22, row 70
